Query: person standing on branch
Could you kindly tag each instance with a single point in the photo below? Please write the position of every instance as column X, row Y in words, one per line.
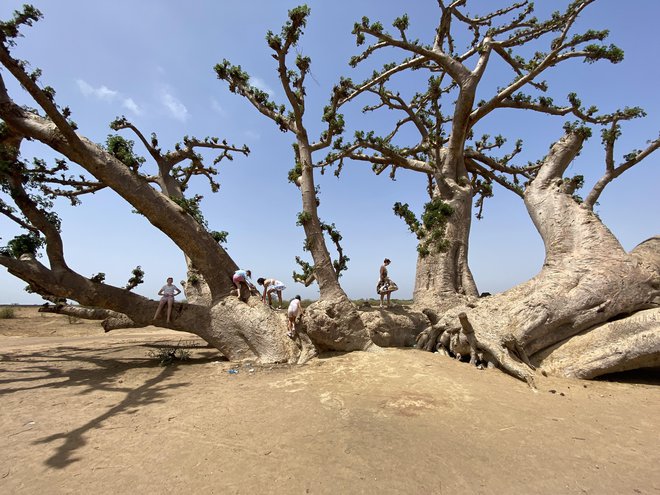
column 385, row 285
column 168, row 292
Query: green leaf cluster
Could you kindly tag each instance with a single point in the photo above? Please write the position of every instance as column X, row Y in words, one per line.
column 430, row 230
column 122, row 150
column 303, row 218
column 307, row 272
column 23, row 244
column 10, row 30
column 136, row 279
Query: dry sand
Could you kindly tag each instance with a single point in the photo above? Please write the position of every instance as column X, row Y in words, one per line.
column 86, row 412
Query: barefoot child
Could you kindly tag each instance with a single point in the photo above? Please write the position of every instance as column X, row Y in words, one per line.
column 295, row 310
column 168, row 292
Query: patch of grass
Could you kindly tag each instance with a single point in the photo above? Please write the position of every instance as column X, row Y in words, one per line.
column 7, row 313
column 169, row 355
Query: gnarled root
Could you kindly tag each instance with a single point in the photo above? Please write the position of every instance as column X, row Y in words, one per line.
column 507, row 354
column 620, row 345
column 428, row 339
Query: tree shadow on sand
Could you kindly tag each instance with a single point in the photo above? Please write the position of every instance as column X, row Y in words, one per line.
column 151, row 392
column 51, row 369
column 97, row 373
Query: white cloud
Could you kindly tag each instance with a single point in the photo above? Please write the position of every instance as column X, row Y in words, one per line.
column 261, row 84
column 132, row 106
column 102, row 92
column 177, row 109
column 109, row 95
column 85, row 88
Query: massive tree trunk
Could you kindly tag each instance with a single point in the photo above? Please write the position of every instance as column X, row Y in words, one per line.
column 587, row 280
column 620, row 345
column 442, row 279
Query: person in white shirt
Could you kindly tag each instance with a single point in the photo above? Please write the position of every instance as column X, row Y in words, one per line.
column 294, row 311
column 271, row 285
column 167, row 292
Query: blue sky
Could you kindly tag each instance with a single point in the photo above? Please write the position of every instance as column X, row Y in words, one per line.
column 153, row 62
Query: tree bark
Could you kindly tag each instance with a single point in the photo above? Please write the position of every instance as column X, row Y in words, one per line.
column 324, row 271
column 442, row 279
column 111, row 319
column 621, row 345
column 333, row 322
column 587, row 279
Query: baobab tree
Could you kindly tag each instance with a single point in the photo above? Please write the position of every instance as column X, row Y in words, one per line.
column 175, row 169
column 593, row 308
column 239, row 330
column 173, row 179
column 444, row 116
column 587, row 279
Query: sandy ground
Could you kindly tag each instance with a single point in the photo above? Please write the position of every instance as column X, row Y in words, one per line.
column 86, row 412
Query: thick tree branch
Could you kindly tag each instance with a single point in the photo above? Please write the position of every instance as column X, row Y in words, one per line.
column 559, row 158
column 613, row 173
column 239, row 83
column 43, row 99
column 163, row 213
column 36, row 217
column 554, row 57
column 6, row 211
column 501, row 165
column 123, row 123
column 54, row 245
column 390, row 158
column 67, row 284
column 454, row 68
column 489, row 174
column 383, row 77
column 79, row 311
